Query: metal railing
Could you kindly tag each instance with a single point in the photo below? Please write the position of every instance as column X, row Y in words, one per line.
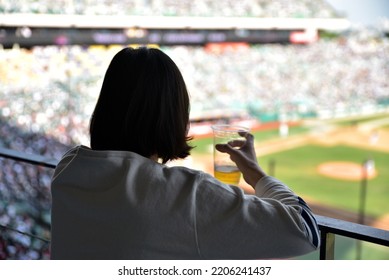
column 329, row 227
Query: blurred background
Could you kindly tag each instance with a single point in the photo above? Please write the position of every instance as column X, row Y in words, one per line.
column 310, row 78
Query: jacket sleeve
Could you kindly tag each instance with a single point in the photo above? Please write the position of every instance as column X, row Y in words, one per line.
column 273, row 223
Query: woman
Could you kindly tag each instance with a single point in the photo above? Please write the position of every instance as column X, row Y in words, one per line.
column 118, row 199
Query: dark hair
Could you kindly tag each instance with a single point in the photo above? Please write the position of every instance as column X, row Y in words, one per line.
column 143, row 106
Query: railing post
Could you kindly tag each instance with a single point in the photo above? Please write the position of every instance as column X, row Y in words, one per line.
column 362, row 201
column 272, row 165
column 327, row 248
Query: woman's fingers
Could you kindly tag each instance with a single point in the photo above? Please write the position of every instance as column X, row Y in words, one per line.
column 242, row 152
column 237, row 143
column 224, row 148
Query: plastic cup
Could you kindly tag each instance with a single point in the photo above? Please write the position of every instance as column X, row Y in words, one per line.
column 225, row 170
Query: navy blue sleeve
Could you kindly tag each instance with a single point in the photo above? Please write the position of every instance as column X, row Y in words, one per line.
column 310, row 223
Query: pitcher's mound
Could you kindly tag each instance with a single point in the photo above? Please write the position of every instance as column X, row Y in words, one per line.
column 347, row 170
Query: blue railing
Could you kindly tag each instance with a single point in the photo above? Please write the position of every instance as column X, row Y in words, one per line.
column 329, row 227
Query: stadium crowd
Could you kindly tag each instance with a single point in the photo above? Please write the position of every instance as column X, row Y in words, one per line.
column 25, row 195
column 54, row 89
column 249, row 8
column 48, row 93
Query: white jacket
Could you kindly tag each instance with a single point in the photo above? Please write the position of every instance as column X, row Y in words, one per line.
column 120, row 205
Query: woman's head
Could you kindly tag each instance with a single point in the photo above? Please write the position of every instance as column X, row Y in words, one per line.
column 143, row 106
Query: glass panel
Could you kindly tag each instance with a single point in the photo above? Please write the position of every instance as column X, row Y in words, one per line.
column 25, row 204
column 351, row 249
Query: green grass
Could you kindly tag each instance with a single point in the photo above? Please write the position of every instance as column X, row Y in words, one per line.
column 346, row 249
column 264, row 135
column 202, row 145
column 297, row 168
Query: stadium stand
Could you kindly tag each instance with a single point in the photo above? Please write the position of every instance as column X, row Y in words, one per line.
column 245, row 8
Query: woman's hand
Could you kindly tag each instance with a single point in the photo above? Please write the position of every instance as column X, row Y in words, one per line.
column 242, row 152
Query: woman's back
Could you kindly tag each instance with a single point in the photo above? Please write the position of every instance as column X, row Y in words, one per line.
column 120, row 205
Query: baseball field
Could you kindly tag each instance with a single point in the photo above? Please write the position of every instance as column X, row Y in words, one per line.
column 326, row 162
